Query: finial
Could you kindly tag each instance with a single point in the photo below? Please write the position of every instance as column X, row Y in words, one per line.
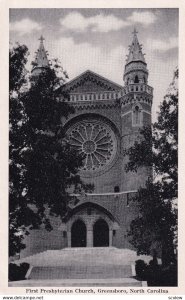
column 135, row 31
column 41, row 39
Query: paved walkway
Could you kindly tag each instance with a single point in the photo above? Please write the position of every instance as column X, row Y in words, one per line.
column 118, row 282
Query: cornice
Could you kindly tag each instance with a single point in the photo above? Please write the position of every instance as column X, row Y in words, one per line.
column 95, row 104
column 131, row 99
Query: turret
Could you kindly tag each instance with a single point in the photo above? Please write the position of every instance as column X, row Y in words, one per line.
column 136, row 104
column 136, row 67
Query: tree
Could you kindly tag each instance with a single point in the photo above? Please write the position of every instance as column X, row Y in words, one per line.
column 18, row 210
column 43, row 166
column 157, row 149
column 52, row 163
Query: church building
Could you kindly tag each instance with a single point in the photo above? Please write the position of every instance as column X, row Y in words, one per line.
column 107, row 119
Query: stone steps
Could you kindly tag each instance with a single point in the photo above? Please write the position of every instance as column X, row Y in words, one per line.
column 107, row 266
column 110, row 282
column 80, row 256
column 81, row 272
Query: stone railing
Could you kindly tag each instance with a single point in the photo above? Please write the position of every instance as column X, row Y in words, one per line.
column 74, row 97
column 138, row 87
column 97, row 96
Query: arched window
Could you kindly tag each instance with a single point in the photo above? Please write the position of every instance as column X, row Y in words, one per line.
column 137, row 115
column 136, row 80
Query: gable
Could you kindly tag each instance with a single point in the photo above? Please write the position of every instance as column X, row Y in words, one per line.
column 90, row 82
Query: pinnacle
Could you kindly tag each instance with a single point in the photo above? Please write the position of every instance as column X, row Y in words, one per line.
column 41, row 59
column 135, row 50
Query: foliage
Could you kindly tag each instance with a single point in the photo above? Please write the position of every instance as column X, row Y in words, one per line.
column 155, row 274
column 17, row 272
column 140, row 267
column 43, row 166
column 18, row 209
column 157, row 149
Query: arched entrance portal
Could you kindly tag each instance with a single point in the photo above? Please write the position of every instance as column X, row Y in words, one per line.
column 100, row 234
column 78, row 234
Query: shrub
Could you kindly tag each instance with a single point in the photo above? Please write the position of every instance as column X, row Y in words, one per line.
column 141, row 268
column 162, row 276
column 18, row 272
column 156, row 275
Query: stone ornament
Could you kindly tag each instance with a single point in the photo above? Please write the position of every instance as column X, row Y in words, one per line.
column 96, row 140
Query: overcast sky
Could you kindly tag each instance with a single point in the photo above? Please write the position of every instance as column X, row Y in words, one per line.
column 98, row 39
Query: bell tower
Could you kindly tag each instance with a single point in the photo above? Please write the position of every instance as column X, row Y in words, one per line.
column 136, row 104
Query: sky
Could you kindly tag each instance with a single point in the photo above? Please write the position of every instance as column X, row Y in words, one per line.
column 98, row 40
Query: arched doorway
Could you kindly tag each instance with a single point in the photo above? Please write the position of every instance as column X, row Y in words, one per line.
column 78, row 234
column 101, row 234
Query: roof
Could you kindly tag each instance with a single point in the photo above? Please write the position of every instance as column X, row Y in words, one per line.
column 135, row 50
column 90, row 81
column 41, row 59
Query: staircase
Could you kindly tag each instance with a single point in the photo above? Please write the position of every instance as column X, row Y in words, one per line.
column 83, row 267
column 81, row 272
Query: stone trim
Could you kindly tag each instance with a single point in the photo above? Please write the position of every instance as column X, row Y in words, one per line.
column 147, row 112
column 126, row 113
column 136, row 88
column 104, row 194
column 140, row 114
column 111, row 95
column 28, row 272
column 134, row 99
column 94, row 105
column 133, row 270
column 89, row 222
column 95, row 96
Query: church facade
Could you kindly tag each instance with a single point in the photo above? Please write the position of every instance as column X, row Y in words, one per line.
column 107, row 120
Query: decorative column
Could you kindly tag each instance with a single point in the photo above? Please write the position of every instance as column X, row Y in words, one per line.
column 89, row 238
column 69, row 239
column 110, row 237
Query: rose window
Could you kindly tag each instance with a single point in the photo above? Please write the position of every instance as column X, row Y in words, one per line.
column 96, row 140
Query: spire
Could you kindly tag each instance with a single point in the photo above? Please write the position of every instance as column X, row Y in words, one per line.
column 135, row 50
column 41, row 59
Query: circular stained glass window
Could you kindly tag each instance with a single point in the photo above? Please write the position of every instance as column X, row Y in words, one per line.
column 96, row 140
